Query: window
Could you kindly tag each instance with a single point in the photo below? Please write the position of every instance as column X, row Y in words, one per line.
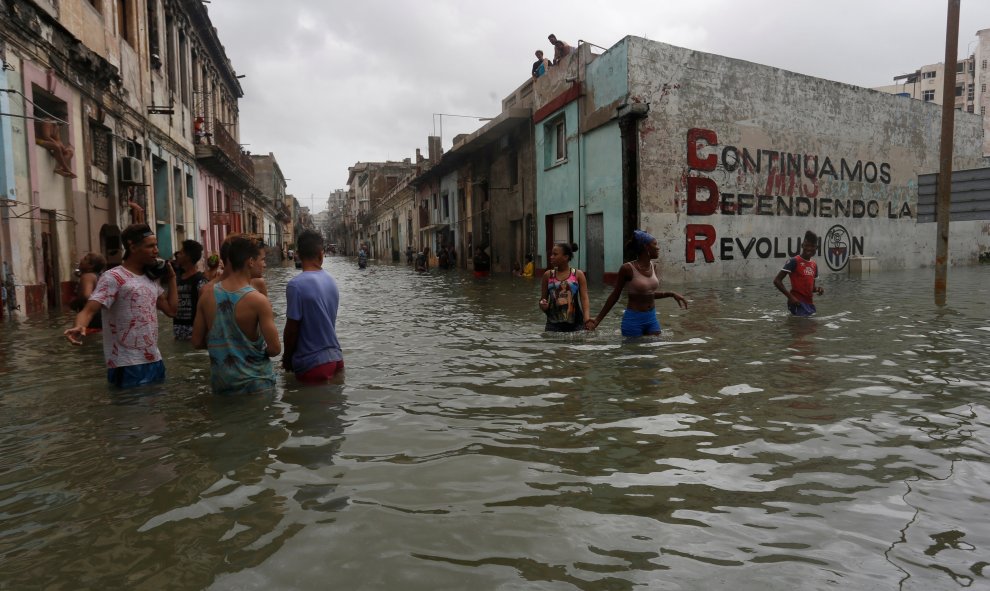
column 446, row 207
column 930, row 74
column 125, row 27
column 969, row 109
column 970, row 91
column 560, row 141
column 959, row 90
column 513, row 168
column 983, row 88
column 928, row 95
column 983, row 110
column 960, row 67
column 183, row 68
column 171, row 62
column 48, row 108
column 177, row 195
column 983, row 65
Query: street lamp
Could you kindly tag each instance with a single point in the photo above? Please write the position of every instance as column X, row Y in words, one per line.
column 440, row 116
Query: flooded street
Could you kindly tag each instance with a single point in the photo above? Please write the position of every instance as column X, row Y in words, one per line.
column 464, row 449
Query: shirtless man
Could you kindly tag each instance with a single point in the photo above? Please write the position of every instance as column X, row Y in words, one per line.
column 560, row 49
column 235, row 322
column 51, row 140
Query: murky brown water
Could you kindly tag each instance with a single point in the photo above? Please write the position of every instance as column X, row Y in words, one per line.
column 466, row 450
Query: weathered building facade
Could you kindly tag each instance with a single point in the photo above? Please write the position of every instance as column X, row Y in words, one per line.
column 369, row 183
column 270, row 207
column 114, row 113
column 729, row 181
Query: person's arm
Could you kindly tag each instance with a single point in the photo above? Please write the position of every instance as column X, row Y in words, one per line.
column 266, row 321
column 659, row 295
column 620, row 283
column 83, row 318
column 585, row 301
column 260, row 285
column 200, row 328
column 168, row 302
column 778, row 281
column 544, row 292
column 290, row 335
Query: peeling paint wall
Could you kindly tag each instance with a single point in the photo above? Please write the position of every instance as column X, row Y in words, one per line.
column 738, row 159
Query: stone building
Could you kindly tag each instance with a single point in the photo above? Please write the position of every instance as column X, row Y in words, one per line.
column 482, row 191
column 369, row 183
column 728, row 163
column 270, row 214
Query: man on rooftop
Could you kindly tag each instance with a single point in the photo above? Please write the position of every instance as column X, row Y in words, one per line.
column 560, row 49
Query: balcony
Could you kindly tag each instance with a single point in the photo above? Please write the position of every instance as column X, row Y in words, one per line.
column 220, row 153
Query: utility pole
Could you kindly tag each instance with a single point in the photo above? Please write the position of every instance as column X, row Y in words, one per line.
column 944, row 189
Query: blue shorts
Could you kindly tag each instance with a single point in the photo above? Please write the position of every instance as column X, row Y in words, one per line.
column 802, row 309
column 637, row 324
column 137, row 375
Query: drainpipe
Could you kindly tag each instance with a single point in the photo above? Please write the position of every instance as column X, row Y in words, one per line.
column 629, row 116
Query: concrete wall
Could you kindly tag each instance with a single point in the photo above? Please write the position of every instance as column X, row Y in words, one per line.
column 837, row 159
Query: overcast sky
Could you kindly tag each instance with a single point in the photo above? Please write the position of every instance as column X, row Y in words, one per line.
column 332, row 82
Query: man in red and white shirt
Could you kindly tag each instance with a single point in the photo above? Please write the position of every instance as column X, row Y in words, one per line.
column 802, row 271
column 129, row 299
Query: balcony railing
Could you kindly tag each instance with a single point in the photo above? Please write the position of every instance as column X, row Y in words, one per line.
column 230, row 148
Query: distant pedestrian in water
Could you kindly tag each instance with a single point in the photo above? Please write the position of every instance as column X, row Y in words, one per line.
column 235, row 322
column 482, row 262
column 641, row 281
column 443, row 258
column 90, row 268
column 189, row 284
column 529, row 268
column 564, row 292
column 312, row 350
column 802, row 271
column 423, row 260
column 128, row 298
column 409, row 255
column 213, row 269
column 362, row 257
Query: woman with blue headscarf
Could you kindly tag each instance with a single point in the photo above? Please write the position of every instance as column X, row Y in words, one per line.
column 642, row 284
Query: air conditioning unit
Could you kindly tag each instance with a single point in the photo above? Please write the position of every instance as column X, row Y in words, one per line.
column 131, row 171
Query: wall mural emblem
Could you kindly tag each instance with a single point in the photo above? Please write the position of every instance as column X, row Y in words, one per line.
column 836, row 247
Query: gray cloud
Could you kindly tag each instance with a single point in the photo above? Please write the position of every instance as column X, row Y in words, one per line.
column 329, row 83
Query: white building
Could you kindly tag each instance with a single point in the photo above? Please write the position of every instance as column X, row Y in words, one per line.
column 972, row 77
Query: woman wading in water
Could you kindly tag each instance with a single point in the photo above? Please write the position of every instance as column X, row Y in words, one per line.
column 639, row 278
column 564, row 292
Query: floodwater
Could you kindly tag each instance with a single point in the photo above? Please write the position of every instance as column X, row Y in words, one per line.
column 466, row 450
